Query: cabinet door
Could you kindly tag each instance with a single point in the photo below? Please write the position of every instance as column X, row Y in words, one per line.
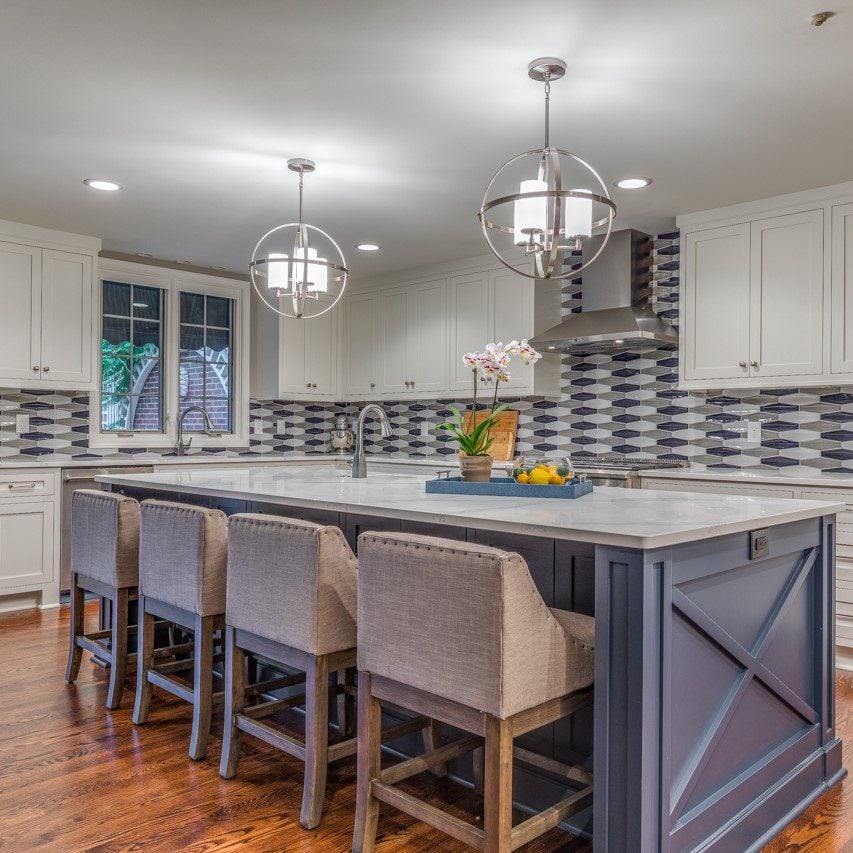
column 512, row 309
column 360, row 339
column 292, row 350
column 393, row 331
column 322, row 355
column 786, row 292
column 427, row 337
column 842, row 289
column 715, row 302
column 20, row 320
column 26, row 544
column 470, row 325
column 66, row 317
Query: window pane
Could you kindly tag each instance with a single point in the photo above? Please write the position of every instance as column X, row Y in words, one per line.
column 192, row 339
column 192, row 308
column 146, row 334
column 116, row 331
column 218, row 340
column 218, row 311
column 115, row 374
column 146, row 302
column 115, row 412
column 146, row 376
column 191, row 379
column 116, row 298
column 147, row 414
column 216, row 376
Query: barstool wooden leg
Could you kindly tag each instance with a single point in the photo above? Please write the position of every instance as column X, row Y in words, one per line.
column 369, row 758
column 235, row 701
column 144, row 662
column 316, row 739
column 497, row 818
column 202, row 685
column 346, row 702
column 75, row 653
column 432, row 741
column 118, row 648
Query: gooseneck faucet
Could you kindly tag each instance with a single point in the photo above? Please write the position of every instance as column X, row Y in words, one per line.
column 359, row 467
column 180, row 446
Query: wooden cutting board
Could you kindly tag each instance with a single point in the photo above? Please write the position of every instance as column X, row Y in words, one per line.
column 503, row 432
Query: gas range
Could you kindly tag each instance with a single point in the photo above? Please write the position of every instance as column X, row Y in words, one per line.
column 612, row 469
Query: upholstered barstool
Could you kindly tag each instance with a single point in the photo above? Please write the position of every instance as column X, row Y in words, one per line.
column 182, row 567
column 459, row 632
column 104, row 560
column 292, row 602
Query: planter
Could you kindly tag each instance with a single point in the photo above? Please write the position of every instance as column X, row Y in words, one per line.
column 475, row 469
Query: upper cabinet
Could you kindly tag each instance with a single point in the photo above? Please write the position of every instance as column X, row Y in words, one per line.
column 767, row 293
column 308, row 365
column 48, row 285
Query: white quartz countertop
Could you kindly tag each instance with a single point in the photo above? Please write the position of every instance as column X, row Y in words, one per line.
column 631, row 518
column 784, row 477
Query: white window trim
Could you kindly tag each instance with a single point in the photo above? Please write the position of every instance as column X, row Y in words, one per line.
column 173, row 282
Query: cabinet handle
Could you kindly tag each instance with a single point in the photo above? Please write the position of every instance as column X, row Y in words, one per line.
column 13, row 486
column 36, row 368
column 753, row 364
column 741, row 364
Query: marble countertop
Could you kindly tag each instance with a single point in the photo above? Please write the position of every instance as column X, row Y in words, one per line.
column 631, row 518
column 785, row 477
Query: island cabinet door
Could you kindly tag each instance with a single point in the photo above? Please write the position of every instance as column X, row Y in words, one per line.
column 354, row 525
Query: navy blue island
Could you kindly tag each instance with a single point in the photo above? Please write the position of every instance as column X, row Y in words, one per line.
column 714, row 717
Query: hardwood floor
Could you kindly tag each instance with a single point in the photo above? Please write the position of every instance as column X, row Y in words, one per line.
column 74, row 776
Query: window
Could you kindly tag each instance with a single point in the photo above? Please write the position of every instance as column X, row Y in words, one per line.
column 206, row 352
column 131, row 348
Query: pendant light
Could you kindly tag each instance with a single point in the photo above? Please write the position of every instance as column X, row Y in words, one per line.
column 546, row 202
column 291, row 269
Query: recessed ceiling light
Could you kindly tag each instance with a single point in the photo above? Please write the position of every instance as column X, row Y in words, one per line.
column 633, row 183
column 101, row 184
column 368, row 247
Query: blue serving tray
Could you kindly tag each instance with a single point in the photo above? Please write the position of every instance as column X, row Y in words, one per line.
column 506, row 487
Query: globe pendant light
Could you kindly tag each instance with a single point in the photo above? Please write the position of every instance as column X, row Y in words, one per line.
column 543, row 218
column 290, row 267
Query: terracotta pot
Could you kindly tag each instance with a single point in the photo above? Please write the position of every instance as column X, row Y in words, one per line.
column 475, row 469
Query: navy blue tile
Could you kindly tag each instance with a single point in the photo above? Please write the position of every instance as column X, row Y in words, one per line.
column 584, row 366
column 779, row 408
column 668, row 250
column 840, row 454
column 836, row 417
column 723, row 451
column 549, row 419
column 673, row 442
column 779, row 443
column 723, row 418
column 583, row 380
column 584, row 439
column 626, row 356
column 838, row 435
column 625, row 418
column 778, row 426
column 672, row 410
column 626, row 433
column 583, row 411
column 724, row 433
column 670, row 235
column 583, row 396
column 36, row 451
column 673, row 426
column 779, row 462
column 668, row 265
column 550, row 404
column 626, row 388
column 672, row 393
column 625, row 372
column 545, row 433
column 834, row 398
column 626, row 448
column 585, row 425
column 722, row 401
column 36, row 436
column 35, row 406
column 625, row 403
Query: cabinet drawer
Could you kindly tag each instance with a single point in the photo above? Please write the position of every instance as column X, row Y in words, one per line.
column 23, row 485
column 706, row 487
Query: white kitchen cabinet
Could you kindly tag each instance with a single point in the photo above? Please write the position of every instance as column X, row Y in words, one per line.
column 308, row 357
column 471, row 326
column 360, row 345
column 786, row 296
column 413, row 339
column 47, row 328
column 512, row 319
column 842, row 289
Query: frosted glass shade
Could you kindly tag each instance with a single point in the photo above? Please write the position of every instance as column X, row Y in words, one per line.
column 317, row 276
column 578, row 215
column 530, row 213
column 277, row 267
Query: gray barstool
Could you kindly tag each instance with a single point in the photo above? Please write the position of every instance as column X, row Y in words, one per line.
column 105, row 561
column 182, row 567
column 459, row 632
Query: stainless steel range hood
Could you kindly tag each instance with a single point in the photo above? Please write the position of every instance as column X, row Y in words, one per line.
column 616, row 291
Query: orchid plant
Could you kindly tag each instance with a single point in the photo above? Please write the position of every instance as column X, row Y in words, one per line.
column 490, row 365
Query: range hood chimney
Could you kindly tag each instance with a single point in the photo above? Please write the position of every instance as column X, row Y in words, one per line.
column 615, row 302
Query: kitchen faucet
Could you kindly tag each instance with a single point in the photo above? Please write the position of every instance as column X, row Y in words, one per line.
column 180, row 447
column 359, row 467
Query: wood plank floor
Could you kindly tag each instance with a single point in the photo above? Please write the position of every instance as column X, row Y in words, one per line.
column 75, row 777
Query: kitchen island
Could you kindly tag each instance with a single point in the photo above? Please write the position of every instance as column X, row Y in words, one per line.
column 713, row 723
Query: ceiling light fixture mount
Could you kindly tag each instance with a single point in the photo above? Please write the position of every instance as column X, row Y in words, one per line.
column 103, row 185
column 548, row 220
column 287, row 269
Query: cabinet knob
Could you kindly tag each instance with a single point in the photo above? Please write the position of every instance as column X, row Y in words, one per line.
column 741, row 364
column 307, row 384
column 753, row 364
column 372, row 384
column 35, row 368
column 45, row 369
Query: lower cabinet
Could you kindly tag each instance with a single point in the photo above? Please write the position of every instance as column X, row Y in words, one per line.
column 28, row 550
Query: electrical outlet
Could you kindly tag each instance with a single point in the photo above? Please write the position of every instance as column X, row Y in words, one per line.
column 22, row 424
column 281, row 427
column 258, row 427
column 425, row 430
column 753, row 431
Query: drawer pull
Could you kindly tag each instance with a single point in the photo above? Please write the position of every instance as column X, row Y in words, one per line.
column 15, row 486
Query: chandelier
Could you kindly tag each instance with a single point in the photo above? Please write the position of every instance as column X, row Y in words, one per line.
column 291, row 269
column 560, row 200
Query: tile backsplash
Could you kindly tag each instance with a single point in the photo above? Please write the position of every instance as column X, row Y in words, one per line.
column 626, row 403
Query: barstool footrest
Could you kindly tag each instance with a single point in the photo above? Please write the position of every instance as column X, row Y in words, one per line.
column 275, row 684
column 177, row 688
column 547, row 819
column 421, row 763
column 435, row 817
column 272, row 736
column 572, row 772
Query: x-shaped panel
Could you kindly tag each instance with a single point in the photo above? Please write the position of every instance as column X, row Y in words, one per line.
column 753, row 667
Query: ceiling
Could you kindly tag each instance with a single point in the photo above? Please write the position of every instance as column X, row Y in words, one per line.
column 407, row 106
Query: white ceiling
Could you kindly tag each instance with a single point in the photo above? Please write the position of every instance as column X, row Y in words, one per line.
column 407, row 106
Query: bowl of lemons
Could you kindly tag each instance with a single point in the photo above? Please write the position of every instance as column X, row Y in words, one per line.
column 539, row 471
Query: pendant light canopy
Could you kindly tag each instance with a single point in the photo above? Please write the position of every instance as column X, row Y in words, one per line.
column 297, row 269
column 546, row 202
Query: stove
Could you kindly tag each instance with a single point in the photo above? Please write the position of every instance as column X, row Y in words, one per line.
column 612, row 469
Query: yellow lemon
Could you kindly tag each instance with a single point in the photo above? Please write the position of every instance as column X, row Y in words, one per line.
column 556, row 480
column 539, row 477
column 522, row 478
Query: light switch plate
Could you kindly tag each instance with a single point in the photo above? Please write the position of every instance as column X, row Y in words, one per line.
column 281, row 426
column 425, row 430
column 22, row 424
column 753, row 431
column 258, row 427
